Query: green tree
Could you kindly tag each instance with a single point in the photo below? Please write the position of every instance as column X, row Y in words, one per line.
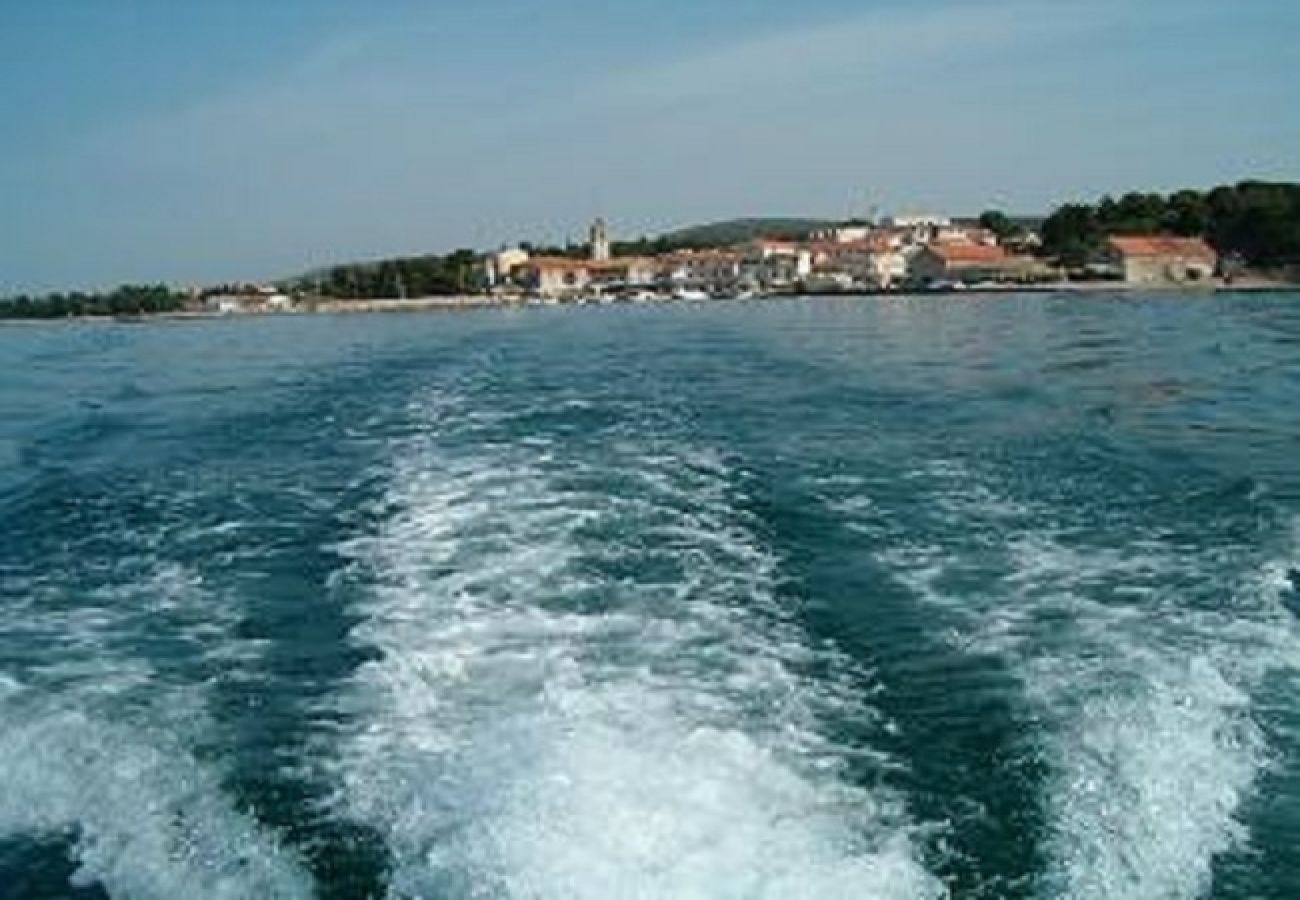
column 1073, row 234
column 1000, row 224
column 124, row 300
column 1257, row 222
column 1187, row 213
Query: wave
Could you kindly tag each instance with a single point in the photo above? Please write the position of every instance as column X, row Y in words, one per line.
column 97, row 744
column 146, row 820
column 585, row 684
column 1138, row 667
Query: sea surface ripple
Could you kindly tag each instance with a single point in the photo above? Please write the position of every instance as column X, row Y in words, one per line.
column 945, row 597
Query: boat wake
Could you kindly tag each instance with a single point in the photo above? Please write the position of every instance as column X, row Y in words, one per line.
column 145, row 819
column 585, row 684
column 96, row 751
column 1138, row 668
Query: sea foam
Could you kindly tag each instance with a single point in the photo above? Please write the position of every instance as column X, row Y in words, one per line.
column 144, row 818
column 585, row 685
column 97, row 746
column 1141, row 693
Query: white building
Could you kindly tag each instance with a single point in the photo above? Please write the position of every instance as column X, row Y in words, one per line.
column 917, row 221
column 842, row 234
column 887, row 268
column 225, row 304
column 875, row 263
column 708, row 270
column 774, row 264
column 497, row 267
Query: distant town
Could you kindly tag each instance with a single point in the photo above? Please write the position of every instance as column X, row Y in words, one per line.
column 921, row 253
column 1245, row 236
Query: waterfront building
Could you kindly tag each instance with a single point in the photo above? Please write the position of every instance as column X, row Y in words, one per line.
column 832, row 256
column 962, row 263
column 886, row 268
column 498, row 267
column 564, row 277
column 715, row 271
column 554, row 276
column 774, row 264
column 1156, row 259
column 827, row 280
column 874, row 263
column 226, row 304
column 561, row 277
column 622, row 272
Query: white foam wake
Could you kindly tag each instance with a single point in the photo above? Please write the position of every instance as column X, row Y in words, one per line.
column 95, row 746
column 1144, row 693
column 585, row 687
column 145, row 819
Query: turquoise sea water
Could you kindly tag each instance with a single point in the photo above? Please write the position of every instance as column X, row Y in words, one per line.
column 900, row 598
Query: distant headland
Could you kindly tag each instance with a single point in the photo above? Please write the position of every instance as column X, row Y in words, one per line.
column 1242, row 236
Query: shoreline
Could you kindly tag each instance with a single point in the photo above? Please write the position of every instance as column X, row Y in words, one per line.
column 473, row 302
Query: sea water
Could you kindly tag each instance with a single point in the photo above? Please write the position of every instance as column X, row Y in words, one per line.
column 970, row 597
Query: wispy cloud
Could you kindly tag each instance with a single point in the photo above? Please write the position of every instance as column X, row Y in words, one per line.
column 376, row 143
column 886, row 40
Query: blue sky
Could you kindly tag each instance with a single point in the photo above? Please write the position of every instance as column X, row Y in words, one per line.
column 193, row 141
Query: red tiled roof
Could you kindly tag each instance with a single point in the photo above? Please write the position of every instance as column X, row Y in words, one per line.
column 618, row 263
column 689, row 256
column 1160, row 245
column 832, row 246
column 556, row 262
column 566, row 263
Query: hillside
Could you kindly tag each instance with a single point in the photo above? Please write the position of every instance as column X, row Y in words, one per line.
column 735, row 231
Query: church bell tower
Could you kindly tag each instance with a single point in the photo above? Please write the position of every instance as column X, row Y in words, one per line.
column 599, row 241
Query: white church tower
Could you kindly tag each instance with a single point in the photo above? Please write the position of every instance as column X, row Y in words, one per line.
column 599, row 241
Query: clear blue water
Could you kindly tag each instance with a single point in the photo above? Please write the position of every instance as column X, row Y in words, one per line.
column 900, row 598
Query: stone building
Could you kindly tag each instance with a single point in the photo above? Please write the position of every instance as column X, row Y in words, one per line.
column 1156, row 259
column 969, row 264
column 561, row 277
column 554, row 276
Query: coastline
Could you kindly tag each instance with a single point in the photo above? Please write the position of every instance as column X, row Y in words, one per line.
column 472, row 302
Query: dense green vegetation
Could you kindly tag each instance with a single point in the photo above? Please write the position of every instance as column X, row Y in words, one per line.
column 128, row 300
column 1002, row 225
column 1257, row 221
column 412, row 276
